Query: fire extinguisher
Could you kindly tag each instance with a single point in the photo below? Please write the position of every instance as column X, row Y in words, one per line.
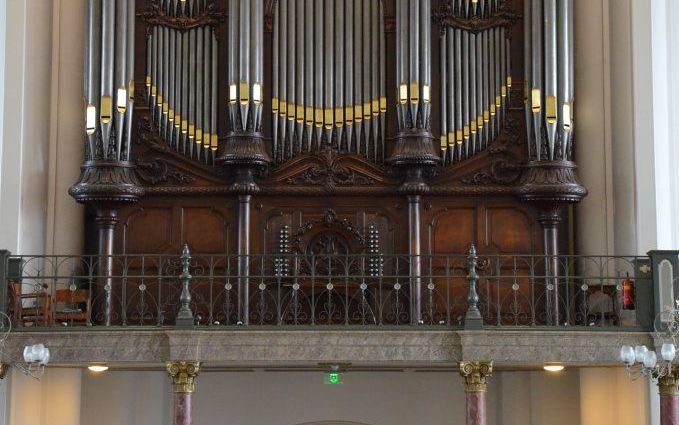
column 628, row 293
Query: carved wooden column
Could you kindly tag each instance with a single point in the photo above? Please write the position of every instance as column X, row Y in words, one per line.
column 668, row 388
column 476, row 375
column 183, row 375
column 244, row 153
column 414, row 153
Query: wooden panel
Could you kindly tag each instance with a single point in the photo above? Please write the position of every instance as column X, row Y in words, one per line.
column 148, row 229
column 163, row 225
column 508, row 231
column 205, row 229
column 496, row 226
column 452, row 230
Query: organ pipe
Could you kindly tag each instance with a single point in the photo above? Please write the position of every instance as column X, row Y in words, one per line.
column 413, row 63
column 181, row 77
column 475, row 75
column 109, row 79
column 331, row 69
column 549, row 78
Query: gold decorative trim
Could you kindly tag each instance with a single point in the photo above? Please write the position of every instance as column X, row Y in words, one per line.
column 669, row 385
column 183, row 375
column 476, row 375
column 4, row 368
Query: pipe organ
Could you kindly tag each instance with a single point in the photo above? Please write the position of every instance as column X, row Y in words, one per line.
column 284, row 127
column 182, row 79
column 329, row 77
column 475, row 78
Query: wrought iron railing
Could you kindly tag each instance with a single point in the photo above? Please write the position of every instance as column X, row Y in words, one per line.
column 316, row 290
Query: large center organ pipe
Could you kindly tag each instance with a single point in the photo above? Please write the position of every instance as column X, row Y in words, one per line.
column 330, row 79
column 181, row 78
column 475, row 75
column 549, row 77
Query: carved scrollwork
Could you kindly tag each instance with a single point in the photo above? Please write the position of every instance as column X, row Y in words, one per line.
column 157, row 170
column 153, row 14
column 445, row 16
column 334, row 233
column 330, row 173
column 501, row 172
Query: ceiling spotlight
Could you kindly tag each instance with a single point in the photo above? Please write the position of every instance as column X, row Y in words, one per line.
column 553, row 367
column 98, row 367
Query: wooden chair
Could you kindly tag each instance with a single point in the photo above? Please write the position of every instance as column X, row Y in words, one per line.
column 71, row 307
column 31, row 308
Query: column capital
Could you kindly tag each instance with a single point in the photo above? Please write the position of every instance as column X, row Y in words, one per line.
column 476, row 375
column 669, row 384
column 183, row 375
column 4, row 368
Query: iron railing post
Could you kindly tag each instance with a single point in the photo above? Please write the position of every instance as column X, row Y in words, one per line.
column 185, row 315
column 4, row 281
column 472, row 319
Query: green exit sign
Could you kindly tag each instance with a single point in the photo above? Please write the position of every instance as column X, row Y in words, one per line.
column 333, row 378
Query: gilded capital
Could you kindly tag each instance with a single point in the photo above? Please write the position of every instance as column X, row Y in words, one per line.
column 669, row 385
column 4, row 368
column 476, row 375
column 183, row 375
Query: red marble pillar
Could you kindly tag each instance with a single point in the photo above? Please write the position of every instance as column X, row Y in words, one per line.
column 668, row 387
column 476, row 376
column 183, row 375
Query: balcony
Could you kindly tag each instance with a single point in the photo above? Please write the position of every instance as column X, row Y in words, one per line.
column 311, row 308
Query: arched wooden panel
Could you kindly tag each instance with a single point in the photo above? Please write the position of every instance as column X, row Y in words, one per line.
column 508, row 230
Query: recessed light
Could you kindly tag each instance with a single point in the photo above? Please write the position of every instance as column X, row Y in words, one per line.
column 553, row 367
column 98, row 367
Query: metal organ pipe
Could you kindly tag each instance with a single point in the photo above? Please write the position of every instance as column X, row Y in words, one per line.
column 550, row 68
column 182, row 80
column 308, row 73
column 92, row 74
column 109, row 79
column 301, row 69
column 331, row 70
column 358, row 71
column 339, row 71
column 475, row 76
column 349, row 73
column 275, row 102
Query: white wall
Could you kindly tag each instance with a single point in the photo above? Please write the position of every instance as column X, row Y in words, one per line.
column 39, row 131
column 52, row 400
column 627, row 124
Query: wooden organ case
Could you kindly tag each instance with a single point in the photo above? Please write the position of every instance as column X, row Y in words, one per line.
column 322, row 121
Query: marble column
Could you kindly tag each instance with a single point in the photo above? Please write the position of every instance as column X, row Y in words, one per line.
column 668, row 388
column 476, row 375
column 183, row 375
